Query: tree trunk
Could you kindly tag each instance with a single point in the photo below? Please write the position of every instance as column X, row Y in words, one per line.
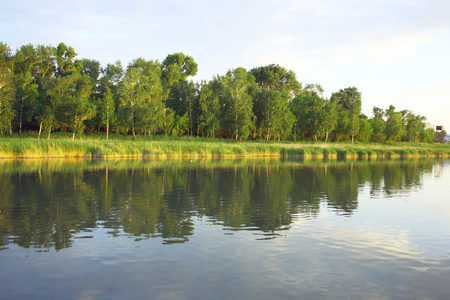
column 134, row 134
column 107, row 129
column 40, row 129
column 326, row 137
column 49, row 130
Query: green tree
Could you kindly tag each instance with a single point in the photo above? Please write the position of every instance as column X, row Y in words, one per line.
column 49, row 110
column 314, row 115
column 27, row 60
column 414, row 127
column 7, row 91
column 80, row 108
column 276, row 116
column 46, row 66
column 365, row 129
column 140, row 101
column 107, row 110
column 427, row 136
column 349, row 109
column 91, row 68
column 177, row 67
column 209, row 119
column 238, row 102
column 378, row 125
column 65, row 60
column 274, row 77
column 329, row 119
column 26, row 93
column 395, row 128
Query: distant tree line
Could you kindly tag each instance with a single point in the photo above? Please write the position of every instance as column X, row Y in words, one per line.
column 47, row 89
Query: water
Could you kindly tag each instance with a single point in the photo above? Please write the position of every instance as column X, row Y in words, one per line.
column 224, row 229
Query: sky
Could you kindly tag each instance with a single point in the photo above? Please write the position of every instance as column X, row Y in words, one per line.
column 394, row 52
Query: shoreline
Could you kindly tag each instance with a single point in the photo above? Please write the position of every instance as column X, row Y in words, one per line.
column 16, row 148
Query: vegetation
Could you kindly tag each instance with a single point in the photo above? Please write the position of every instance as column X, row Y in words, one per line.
column 117, row 145
column 46, row 89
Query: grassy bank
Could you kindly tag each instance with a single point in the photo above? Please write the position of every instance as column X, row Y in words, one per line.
column 97, row 146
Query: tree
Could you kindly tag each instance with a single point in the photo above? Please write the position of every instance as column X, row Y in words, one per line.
column 330, row 118
column 26, row 93
column 183, row 99
column 27, row 60
column 209, row 119
column 46, row 66
column 365, row 129
column 378, row 125
column 91, row 68
column 64, row 59
column 7, row 89
column 7, row 92
column 177, row 67
column 394, row 125
column 427, row 136
column 80, row 108
column 276, row 116
column 274, row 77
column 440, row 135
column 315, row 116
column 140, row 101
column 414, row 126
column 107, row 109
column 238, row 103
column 57, row 93
column 349, row 109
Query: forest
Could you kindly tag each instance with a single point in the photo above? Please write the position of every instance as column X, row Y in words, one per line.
column 47, row 89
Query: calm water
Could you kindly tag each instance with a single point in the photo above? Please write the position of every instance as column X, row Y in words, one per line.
column 224, row 229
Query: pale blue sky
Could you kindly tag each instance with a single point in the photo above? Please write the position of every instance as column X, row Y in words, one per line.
column 394, row 52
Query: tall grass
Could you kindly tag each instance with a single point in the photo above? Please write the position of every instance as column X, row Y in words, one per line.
column 93, row 145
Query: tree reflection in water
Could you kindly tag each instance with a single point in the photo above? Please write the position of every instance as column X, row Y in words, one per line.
column 46, row 204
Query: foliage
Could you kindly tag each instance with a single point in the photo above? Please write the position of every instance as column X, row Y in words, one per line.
column 47, row 88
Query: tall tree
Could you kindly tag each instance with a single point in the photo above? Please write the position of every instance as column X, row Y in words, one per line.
column 329, row 120
column 276, row 117
column 395, row 128
column 209, row 119
column 7, row 91
column 238, row 102
column 365, row 129
column 107, row 110
column 308, row 108
column 47, row 62
column 80, row 106
column 27, row 60
column 65, row 60
column 26, row 93
column 141, row 101
column 57, row 93
column 274, row 77
column 349, row 109
column 414, row 127
column 378, row 125
column 91, row 68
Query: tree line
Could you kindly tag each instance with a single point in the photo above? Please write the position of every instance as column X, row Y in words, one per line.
column 45, row 88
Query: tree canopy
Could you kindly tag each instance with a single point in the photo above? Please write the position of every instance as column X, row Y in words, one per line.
column 48, row 88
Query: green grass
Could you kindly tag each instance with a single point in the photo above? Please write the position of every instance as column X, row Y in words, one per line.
column 93, row 145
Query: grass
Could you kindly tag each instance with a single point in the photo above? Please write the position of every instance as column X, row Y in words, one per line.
column 92, row 145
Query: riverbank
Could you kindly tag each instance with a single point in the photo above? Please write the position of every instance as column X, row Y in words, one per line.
column 197, row 147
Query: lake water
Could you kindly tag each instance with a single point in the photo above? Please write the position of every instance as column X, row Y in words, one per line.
column 224, row 229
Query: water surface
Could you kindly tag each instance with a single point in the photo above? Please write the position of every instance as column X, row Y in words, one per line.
column 224, row 229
